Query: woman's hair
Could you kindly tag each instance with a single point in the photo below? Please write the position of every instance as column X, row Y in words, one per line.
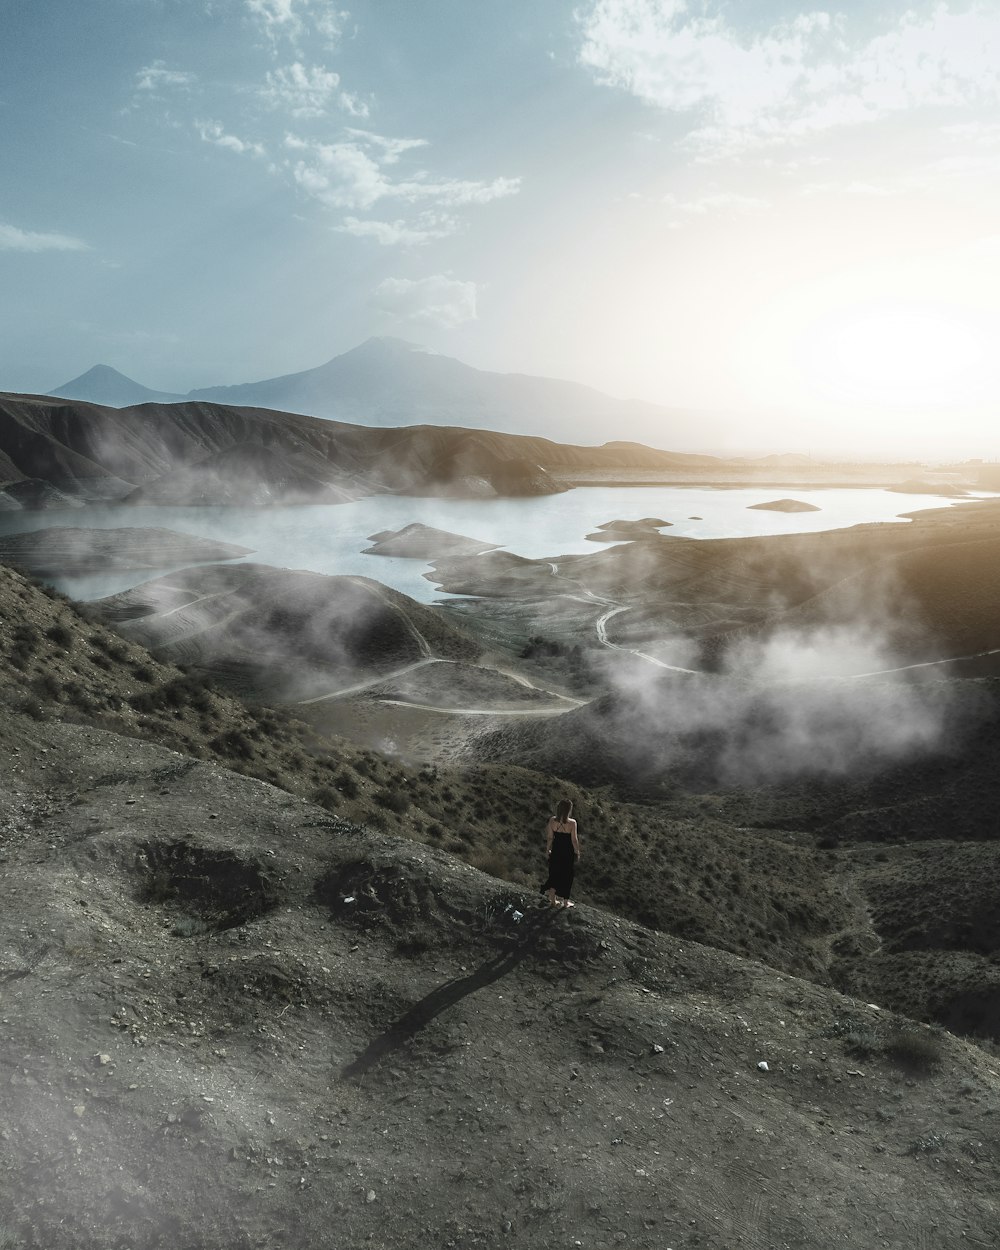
column 563, row 810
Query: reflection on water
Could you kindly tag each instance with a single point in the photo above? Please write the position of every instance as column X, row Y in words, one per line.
column 330, row 538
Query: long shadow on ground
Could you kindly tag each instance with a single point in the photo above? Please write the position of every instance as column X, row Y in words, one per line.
column 536, row 924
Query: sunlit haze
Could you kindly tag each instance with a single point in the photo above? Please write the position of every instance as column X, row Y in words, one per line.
column 783, row 216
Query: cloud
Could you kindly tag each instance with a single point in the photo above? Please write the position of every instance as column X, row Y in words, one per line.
column 341, row 175
column 302, row 91
column 392, row 233
column 391, row 149
column 352, row 103
column 295, row 19
column 796, row 702
column 350, row 171
column 799, row 78
column 154, row 77
column 351, row 175
column 13, row 239
column 438, row 299
column 213, row 132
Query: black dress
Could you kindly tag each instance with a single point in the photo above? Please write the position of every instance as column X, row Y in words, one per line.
column 562, row 863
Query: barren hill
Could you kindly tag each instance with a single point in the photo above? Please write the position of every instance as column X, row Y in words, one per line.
column 234, row 1020
column 296, row 633
column 196, row 451
column 264, row 986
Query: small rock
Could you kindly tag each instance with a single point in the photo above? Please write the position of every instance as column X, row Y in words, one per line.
column 371, row 1196
column 657, row 1048
column 79, row 1110
column 763, row 1066
column 104, row 1060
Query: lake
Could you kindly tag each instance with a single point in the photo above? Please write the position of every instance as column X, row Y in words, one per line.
column 330, row 538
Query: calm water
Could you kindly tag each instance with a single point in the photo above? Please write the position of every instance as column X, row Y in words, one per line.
column 329, row 539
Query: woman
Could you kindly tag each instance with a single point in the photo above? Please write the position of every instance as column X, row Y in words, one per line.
column 562, row 846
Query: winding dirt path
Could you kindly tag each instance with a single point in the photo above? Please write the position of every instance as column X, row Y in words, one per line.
column 345, row 691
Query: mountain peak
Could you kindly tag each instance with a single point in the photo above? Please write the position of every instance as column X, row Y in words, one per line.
column 389, row 343
column 103, row 384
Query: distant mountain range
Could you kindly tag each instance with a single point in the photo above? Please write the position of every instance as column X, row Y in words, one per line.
column 389, row 382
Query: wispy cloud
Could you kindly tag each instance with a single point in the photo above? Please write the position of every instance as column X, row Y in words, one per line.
column 351, row 175
column 391, row 149
column 154, row 78
column 438, row 299
column 427, row 226
column 288, row 110
column 352, row 103
column 13, row 239
column 800, row 78
column 294, row 20
column 215, row 133
column 300, row 90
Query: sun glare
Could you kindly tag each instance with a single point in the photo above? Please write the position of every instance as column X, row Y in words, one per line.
column 893, row 357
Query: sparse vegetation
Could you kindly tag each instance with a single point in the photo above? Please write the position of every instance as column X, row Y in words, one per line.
column 61, row 634
column 917, row 1049
column 394, row 799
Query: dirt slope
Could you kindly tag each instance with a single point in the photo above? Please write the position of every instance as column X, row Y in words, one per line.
column 231, row 1020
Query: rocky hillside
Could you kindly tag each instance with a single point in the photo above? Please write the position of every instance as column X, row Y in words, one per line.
column 233, row 1019
column 54, row 452
column 202, row 452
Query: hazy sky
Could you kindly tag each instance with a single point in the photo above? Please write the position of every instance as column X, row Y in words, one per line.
column 791, row 214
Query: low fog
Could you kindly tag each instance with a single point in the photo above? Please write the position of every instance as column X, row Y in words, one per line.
column 824, row 701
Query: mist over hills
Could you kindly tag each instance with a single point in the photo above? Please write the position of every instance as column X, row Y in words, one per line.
column 54, row 452
column 251, row 982
column 388, row 381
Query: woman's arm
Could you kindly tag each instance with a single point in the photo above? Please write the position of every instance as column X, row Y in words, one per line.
column 548, row 837
column 576, row 840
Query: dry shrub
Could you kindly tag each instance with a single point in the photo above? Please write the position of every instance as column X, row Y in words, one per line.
column 491, row 861
column 918, row 1049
